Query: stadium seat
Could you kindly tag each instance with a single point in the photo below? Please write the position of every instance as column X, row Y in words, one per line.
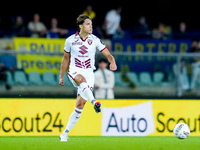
column 134, row 78
column 20, row 78
column 119, row 81
column 10, row 78
column 49, row 79
column 158, row 77
column 65, row 78
column 35, row 78
column 145, row 78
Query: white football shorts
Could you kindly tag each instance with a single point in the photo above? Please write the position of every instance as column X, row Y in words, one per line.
column 88, row 74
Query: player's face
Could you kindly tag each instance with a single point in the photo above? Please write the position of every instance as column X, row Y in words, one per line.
column 87, row 26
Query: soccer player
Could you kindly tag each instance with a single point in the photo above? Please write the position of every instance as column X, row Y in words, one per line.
column 79, row 59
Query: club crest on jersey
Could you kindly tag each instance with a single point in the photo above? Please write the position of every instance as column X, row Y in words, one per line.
column 89, row 41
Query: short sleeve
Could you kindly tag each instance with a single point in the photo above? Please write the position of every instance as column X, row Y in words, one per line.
column 67, row 47
column 100, row 45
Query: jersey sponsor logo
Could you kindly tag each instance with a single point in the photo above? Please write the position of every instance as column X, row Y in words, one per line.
column 83, row 51
column 76, row 43
column 89, row 41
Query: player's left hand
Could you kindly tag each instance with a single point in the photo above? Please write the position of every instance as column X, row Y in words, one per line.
column 113, row 66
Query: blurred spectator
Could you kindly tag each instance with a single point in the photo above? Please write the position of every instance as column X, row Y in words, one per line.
column 112, row 23
column 196, row 64
column 18, row 28
column 104, row 81
column 7, row 63
column 181, row 33
column 141, row 29
column 162, row 32
column 56, row 32
column 89, row 11
column 182, row 76
column 37, row 28
column 195, row 46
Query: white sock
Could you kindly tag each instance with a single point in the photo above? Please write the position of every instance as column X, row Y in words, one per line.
column 86, row 93
column 73, row 119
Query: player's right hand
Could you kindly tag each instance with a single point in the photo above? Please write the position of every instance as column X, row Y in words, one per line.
column 61, row 82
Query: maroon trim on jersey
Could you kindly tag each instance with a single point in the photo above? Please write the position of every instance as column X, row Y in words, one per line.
column 70, row 76
column 69, row 62
column 77, row 34
column 103, row 49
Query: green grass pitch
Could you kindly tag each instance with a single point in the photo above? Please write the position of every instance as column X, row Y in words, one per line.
column 99, row 143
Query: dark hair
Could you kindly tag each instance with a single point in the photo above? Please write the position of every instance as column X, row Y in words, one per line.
column 102, row 60
column 81, row 18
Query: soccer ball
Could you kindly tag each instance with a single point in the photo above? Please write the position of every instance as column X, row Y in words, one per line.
column 181, row 130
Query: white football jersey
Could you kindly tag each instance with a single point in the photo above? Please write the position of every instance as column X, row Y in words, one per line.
column 82, row 52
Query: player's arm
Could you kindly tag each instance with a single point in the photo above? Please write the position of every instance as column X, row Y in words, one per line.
column 110, row 58
column 64, row 67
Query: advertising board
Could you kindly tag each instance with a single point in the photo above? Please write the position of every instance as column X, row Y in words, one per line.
column 124, row 117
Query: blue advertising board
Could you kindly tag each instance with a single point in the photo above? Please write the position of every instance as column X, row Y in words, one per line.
column 149, row 63
column 148, row 45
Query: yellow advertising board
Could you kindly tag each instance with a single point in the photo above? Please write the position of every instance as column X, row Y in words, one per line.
column 37, row 45
column 49, row 117
column 41, row 54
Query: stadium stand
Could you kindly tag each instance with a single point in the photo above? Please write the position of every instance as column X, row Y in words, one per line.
column 10, row 78
column 158, row 78
column 142, row 71
column 49, row 78
column 35, row 78
column 20, row 78
column 145, row 79
column 134, row 78
column 119, row 81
